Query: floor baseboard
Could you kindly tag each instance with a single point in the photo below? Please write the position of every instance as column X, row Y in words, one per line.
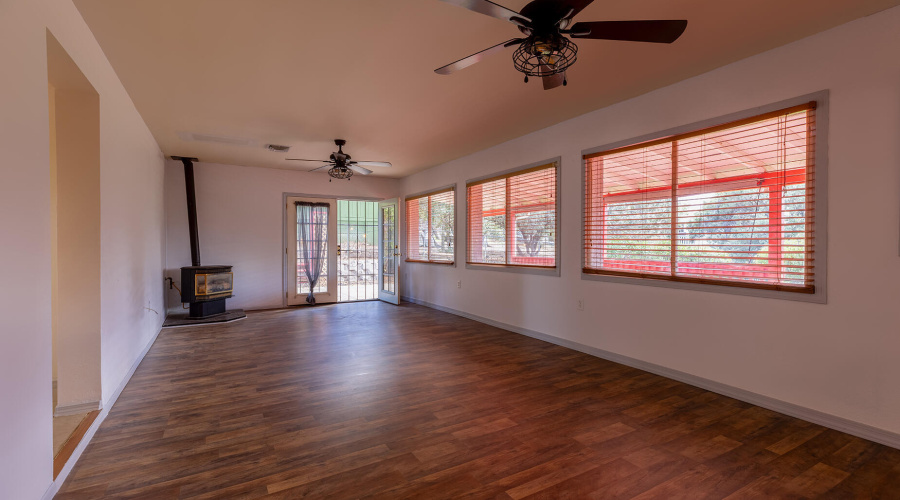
column 851, row 427
column 76, row 409
column 89, row 434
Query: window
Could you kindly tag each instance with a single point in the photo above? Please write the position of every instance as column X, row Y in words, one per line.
column 512, row 219
column 727, row 205
column 431, row 227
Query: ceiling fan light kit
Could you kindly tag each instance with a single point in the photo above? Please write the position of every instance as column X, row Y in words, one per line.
column 546, row 52
column 540, row 57
column 340, row 173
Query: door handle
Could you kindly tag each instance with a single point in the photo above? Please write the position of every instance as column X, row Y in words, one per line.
column 339, row 250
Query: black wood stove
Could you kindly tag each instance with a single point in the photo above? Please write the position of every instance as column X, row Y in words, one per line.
column 205, row 288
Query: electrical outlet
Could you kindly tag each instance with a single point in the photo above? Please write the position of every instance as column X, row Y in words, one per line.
column 580, row 305
column 459, row 284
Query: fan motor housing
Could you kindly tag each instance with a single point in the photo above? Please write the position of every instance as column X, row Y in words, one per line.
column 545, row 15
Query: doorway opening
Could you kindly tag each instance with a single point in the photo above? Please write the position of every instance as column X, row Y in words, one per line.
column 74, row 145
column 358, row 250
column 348, row 248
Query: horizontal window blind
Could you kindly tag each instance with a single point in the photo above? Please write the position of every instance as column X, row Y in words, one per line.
column 512, row 219
column 430, row 227
column 731, row 204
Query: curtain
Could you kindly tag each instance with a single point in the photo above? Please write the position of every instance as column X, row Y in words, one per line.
column 312, row 233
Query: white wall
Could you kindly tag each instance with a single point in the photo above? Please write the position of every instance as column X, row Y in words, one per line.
column 240, row 218
column 132, row 232
column 78, row 271
column 840, row 358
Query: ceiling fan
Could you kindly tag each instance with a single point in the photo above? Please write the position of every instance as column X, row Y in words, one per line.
column 545, row 51
column 340, row 166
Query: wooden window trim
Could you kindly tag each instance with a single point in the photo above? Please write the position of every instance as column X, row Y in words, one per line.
column 514, row 173
column 814, row 235
column 682, row 279
column 707, row 130
column 543, row 165
column 429, row 194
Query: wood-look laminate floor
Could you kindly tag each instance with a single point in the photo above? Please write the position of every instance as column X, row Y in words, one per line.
column 373, row 400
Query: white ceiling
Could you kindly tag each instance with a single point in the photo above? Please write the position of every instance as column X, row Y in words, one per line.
column 304, row 72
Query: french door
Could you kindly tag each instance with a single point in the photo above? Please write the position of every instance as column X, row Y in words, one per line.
column 322, row 229
column 388, row 251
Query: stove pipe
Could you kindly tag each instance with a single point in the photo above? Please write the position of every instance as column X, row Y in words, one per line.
column 191, row 206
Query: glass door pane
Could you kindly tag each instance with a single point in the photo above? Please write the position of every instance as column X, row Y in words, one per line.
column 388, row 259
column 319, row 233
column 322, row 230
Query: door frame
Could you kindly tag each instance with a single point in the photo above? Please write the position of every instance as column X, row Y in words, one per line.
column 330, row 295
column 389, row 297
column 286, row 239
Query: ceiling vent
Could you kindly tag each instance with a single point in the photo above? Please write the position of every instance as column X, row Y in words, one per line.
column 192, row 137
column 277, row 148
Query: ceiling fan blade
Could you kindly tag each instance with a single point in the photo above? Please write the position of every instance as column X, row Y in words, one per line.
column 553, row 81
column 465, row 62
column 320, row 168
column 489, row 8
column 359, row 170
column 301, row 159
column 630, row 31
column 372, row 163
